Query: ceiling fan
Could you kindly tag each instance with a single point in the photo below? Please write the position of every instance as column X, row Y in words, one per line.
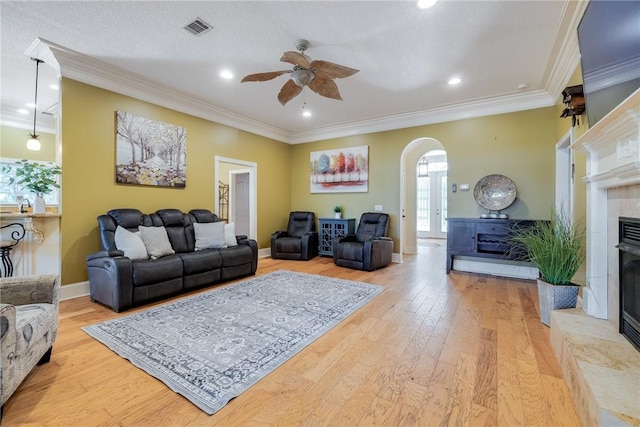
column 317, row 75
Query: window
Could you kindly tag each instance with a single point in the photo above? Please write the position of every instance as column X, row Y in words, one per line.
column 9, row 191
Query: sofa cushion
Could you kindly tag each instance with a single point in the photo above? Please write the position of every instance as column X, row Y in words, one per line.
column 33, row 321
column 131, row 244
column 127, row 218
column 209, row 235
column 156, row 270
column 201, row 261
column 289, row 245
column 230, row 235
column 352, row 251
column 236, row 255
column 156, row 241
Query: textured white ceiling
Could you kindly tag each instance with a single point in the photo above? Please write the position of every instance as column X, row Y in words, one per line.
column 405, row 55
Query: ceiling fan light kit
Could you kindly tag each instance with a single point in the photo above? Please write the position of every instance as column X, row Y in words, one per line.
column 315, row 74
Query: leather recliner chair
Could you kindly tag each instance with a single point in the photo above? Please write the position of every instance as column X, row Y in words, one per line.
column 300, row 241
column 368, row 249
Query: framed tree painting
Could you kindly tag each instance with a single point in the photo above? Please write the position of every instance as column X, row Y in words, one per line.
column 150, row 152
column 340, row 171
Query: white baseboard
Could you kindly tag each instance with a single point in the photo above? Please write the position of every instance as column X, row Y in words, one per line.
column 396, row 257
column 74, row 290
column 264, row 253
column 496, row 269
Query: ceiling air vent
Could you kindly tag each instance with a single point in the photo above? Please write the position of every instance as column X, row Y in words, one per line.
column 197, row 27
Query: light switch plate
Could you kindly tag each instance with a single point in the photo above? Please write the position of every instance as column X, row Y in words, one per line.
column 464, row 187
column 377, row 208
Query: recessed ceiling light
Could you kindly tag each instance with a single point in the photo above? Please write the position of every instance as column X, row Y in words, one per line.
column 30, row 105
column 226, row 74
column 22, row 111
column 425, row 4
column 454, row 81
column 306, row 113
column 54, row 87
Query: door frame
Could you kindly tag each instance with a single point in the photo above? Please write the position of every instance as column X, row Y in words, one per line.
column 252, row 169
column 565, row 185
column 408, row 160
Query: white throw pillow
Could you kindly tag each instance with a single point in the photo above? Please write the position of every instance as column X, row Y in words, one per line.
column 209, row 235
column 156, row 241
column 230, row 235
column 130, row 243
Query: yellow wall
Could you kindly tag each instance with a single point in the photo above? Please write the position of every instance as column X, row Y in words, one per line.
column 13, row 144
column 88, row 159
column 519, row 145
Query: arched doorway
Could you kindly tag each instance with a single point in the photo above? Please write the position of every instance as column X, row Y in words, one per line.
column 431, row 195
column 408, row 190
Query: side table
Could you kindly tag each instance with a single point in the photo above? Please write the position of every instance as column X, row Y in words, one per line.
column 330, row 228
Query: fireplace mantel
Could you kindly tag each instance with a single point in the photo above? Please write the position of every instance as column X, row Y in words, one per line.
column 612, row 147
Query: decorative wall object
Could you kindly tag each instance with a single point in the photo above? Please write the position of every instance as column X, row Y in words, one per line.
column 150, row 152
column 340, row 171
column 573, row 99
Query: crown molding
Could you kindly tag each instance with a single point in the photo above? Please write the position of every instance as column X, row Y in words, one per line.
column 564, row 56
column 478, row 108
column 45, row 124
column 85, row 69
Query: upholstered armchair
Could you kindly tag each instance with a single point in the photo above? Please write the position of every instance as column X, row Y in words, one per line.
column 368, row 249
column 300, row 241
column 28, row 327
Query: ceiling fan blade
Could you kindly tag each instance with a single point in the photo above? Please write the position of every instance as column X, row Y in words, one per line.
column 296, row 58
column 325, row 87
column 263, row 77
column 289, row 91
column 330, row 70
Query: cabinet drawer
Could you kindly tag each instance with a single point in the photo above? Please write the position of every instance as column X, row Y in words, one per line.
column 492, row 228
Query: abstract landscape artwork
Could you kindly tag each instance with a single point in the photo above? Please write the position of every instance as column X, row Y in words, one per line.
column 344, row 170
column 150, row 152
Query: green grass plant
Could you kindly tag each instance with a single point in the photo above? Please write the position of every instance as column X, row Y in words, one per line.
column 556, row 247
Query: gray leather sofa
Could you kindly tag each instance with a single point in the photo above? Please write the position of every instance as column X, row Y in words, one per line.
column 120, row 282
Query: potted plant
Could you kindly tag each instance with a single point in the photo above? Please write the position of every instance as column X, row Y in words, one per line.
column 557, row 248
column 338, row 211
column 39, row 179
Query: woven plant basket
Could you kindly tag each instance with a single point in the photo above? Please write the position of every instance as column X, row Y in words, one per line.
column 555, row 297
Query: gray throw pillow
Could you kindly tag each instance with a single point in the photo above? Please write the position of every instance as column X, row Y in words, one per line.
column 209, row 235
column 130, row 243
column 230, row 235
column 156, row 241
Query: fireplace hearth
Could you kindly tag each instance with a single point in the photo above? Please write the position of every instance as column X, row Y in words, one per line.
column 629, row 256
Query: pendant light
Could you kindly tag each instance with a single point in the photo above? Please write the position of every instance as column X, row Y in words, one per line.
column 423, row 167
column 34, row 143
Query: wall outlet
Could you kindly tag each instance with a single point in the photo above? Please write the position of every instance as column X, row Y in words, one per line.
column 377, row 208
column 464, row 187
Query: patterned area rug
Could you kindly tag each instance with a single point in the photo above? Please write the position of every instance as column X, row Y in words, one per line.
column 213, row 346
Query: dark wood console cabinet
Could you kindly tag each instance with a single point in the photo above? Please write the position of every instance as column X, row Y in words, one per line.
column 483, row 238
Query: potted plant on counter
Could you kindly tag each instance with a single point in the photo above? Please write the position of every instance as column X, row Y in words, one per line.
column 338, row 211
column 39, row 179
column 557, row 248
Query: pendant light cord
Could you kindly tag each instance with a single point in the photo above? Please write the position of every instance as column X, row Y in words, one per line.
column 35, row 101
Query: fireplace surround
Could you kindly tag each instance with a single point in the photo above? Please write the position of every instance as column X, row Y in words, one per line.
column 600, row 366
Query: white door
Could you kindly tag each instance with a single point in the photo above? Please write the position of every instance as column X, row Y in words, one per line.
column 239, row 201
column 431, row 202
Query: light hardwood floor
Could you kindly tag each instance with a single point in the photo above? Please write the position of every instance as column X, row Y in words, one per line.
column 431, row 350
